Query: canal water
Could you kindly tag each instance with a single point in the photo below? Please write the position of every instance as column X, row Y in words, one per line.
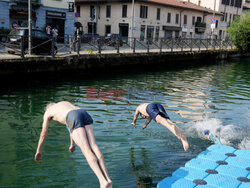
column 214, row 97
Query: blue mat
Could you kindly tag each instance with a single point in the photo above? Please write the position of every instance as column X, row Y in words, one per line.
column 219, row 166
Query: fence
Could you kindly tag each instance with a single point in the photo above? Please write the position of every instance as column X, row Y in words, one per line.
column 99, row 45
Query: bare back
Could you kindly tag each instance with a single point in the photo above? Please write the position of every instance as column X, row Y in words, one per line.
column 142, row 109
column 59, row 111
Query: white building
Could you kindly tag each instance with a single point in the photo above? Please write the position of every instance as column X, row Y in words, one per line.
column 152, row 18
column 229, row 8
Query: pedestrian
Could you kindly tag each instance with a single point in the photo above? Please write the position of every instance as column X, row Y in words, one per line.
column 156, row 112
column 79, row 124
column 55, row 33
column 48, row 30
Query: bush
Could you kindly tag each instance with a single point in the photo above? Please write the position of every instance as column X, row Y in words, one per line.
column 239, row 31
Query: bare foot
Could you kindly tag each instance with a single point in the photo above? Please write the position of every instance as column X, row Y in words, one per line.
column 185, row 143
column 105, row 185
column 144, row 127
column 72, row 148
column 133, row 124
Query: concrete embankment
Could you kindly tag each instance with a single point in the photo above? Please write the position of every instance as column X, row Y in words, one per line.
column 94, row 62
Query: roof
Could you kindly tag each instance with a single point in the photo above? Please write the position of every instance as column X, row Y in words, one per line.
column 171, row 3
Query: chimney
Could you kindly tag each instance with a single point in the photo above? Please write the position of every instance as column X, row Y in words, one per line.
column 199, row 2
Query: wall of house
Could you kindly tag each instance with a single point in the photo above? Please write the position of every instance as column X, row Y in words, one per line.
column 4, row 14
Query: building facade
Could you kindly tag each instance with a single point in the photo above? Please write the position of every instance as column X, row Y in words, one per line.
column 152, row 18
column 246, row 6
column 230, row 9
column 44, row 12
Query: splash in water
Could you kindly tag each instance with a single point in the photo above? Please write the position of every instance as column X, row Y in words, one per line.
column 232, row 135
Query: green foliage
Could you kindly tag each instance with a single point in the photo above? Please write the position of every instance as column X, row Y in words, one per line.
column 4, row 31
column 90, row 51
column 239, row 31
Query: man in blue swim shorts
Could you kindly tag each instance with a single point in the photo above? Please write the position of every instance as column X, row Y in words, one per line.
column 157, row 112
column 79, row 124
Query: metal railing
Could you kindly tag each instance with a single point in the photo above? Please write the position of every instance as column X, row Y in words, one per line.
column 62, row 46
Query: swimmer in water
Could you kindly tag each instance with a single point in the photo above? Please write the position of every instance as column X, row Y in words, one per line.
column 79, row 124
column 211, row 137
column 156, row 112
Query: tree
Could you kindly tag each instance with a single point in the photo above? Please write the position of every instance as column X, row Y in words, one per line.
column 239, row 31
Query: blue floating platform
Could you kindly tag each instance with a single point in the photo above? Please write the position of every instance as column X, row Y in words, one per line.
column 219, row 166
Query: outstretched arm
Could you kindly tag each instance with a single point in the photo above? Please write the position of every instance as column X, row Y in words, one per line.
column 146, row 123
column 72, row 146
column 135, row 117
column 46, row 120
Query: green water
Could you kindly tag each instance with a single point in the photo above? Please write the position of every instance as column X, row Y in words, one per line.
column 197, row 97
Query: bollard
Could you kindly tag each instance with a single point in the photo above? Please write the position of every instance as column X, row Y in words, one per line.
column 53, row 47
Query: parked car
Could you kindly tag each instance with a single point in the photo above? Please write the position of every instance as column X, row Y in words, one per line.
column 88, row 37
column 41, row 42
column 111, row 39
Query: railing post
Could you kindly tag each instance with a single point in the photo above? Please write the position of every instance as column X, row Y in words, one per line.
column 191, row 47
column 148, row 46
column 99, row 47
column 70, row 44
column 172, row 44
column 78, row 44
column 134, row 43
column 160, row 45
column 22, row 47
column 200, row 45
column 182, row 44
column 53, row 47
column 118, row 45
column 207, row 43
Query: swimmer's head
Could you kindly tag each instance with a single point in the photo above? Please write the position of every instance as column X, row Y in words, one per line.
column 206, row 132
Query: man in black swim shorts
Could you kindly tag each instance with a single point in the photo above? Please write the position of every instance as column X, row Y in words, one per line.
column 79, row 124
column 156, row 112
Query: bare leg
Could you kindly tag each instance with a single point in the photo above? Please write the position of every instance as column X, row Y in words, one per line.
column 97, row 151
column 174, row 129
column 80, row 138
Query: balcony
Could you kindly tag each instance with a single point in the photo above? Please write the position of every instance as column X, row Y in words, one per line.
column 200, row 25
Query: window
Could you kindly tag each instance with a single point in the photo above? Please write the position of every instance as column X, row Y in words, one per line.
column 198, row 19
column 108, row 11
column 193, row 20
column 222, row 17
column 92, row 11
column 225, row 2
column 124, row 11
column 158, row 16
column 169, row 18
column 78, row 10
column 238, row 3
column 185, row 19
column 226, row 17
column 232, row 3
column 230, row 17
column 107, row 29
column 143, row 11
column 177, row 18
column 216, row 24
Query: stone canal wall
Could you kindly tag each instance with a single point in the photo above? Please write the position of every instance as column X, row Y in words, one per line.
column 95, row 62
